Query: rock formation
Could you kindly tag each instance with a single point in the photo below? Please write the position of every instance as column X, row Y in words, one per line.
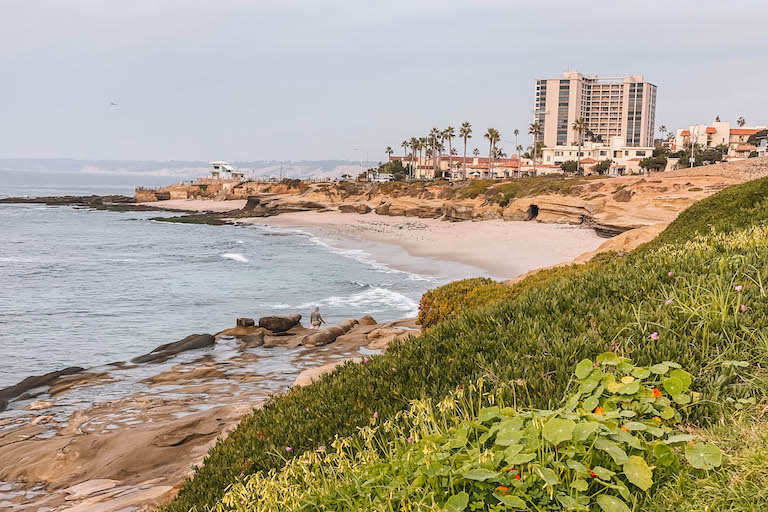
column 163, row 352
column 279, row 323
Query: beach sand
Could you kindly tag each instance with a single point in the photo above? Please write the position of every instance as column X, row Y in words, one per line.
column 504, row 249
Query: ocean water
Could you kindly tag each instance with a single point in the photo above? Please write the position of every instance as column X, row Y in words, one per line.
column 85, row 287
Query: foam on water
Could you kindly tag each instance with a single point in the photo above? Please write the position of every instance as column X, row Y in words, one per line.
column 235, row 256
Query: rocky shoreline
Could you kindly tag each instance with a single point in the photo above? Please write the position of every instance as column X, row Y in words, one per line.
column 126, row 434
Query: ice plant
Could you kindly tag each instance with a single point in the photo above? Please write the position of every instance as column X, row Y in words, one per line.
column 654, row 335
column 668, row 302
column 738, row 287
column 376, row 415
column 669, row 274
column 520, row 382
column 288, row 449
column 743, row 307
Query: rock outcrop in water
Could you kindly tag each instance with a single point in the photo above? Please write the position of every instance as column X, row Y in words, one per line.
column 279, row 323
column 163, row 352
column 33, row 382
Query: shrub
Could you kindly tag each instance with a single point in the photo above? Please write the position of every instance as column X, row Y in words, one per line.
column 610, row 443
column 540, row 331
column 445, row 301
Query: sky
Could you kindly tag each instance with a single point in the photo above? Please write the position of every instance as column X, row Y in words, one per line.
column 316, row 79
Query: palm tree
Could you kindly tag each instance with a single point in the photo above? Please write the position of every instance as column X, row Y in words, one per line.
column 423, row 145
column 465, row 132
column 414, row 142
column 434, row 134
column 389, row 151
column 493, row 137
column 476, row 152
column 516, row 133
column 579, row 126
column 449, row 134
column 662, row 131
column 741, row 122
column 534, row 130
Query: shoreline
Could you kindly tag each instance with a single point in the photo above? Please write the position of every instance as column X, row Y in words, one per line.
column 503, row 249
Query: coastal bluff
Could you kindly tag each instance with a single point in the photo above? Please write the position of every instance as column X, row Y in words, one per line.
column 608, row 205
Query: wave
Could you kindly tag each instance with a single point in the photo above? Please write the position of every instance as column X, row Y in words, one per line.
column 235, row 256
column 369, row 301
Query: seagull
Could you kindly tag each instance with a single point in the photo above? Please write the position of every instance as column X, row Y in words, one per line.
column 112, row 103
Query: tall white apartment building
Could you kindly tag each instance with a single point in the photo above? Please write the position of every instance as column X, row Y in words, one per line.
column 612, row 107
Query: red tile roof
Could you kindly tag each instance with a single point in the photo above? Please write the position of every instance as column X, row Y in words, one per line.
column 588, row 160
column 711, row 129
column 744, row 131
column 686, row 133
column 745, row 147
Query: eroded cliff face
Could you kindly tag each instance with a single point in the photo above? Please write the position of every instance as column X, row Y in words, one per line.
column 609, row 205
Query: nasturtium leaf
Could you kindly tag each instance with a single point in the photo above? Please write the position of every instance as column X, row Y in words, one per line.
column 588, row 386
column 584, row 368
column 549, row 476
column 635, row 425
column 608, row 358
column 654, row 431
column 630, row 388
column 625, row 366
column 627, row 379
column 590, row 403
column 641, row 373
column 520, row 458
column 558, row 430
column 672, row 364
column 580, row 484
column 679, row 438
column 577, row 466
column 512, row 501
column 611, row 503
column 513, row 450
column 667, row 413
column 584, row 429
column 673, row 385
column 572, row 403
column 682, row 398
column 488, row 413
column 629, row 439
column 618, row 455
column 638, row 473
column 703, row 456
column 602, row 473
column 479, row 474
column 659, row 369
column 457, row 502
column 568, row 502
column 627, row 413
column 508, row 436
column 683, row 376
column 664, row 455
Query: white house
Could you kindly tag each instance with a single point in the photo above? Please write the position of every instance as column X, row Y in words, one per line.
column 224, row 171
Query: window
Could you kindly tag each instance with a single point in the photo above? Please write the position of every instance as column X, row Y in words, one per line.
column 639, row 153
column 603, row 153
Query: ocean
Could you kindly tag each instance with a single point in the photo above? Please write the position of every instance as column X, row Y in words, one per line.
column 83, row 287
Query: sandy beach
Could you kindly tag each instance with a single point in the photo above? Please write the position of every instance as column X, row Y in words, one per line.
column 504, row 249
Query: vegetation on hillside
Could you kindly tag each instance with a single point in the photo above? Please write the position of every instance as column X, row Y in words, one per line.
column 695, row 297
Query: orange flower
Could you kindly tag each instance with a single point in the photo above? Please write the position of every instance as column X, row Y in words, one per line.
column 517, row 477
column 624, row 428
column 656, row 418
column 592, row 475
column 502, row 489
column 656, row 393
column 599, row 411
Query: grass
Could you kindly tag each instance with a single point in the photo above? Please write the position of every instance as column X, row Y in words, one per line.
column 539, row 332
column 502, row 192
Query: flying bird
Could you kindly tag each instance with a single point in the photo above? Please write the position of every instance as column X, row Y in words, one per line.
column 112, row 103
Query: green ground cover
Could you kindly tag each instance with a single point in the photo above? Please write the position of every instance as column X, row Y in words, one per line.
column 696, row 296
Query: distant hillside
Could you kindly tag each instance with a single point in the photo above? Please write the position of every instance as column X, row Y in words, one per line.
column 184, row 170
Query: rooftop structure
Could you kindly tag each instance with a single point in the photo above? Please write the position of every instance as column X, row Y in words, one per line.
column 224, row 171
column 719, row 134
column 611, row 106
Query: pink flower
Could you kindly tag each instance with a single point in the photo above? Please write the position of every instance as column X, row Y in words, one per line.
column 366, row 360
column 668, row 302
column 394, row 369
column 307, row 460
column 654, row 336
column 288, row 449
column 321, row 448
column 520, row 382
column 738, row 287
column 743, row 307
column 307, row 409
column 410, row 440
column 375, row 415
column 669, row 274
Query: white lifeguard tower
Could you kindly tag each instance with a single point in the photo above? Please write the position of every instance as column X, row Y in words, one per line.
column 224, row 171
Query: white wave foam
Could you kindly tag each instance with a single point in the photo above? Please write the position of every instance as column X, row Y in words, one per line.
column 371, row 300
column 239, row 242
column 235, row 256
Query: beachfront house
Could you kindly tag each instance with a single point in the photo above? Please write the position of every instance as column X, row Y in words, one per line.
column 224, row 171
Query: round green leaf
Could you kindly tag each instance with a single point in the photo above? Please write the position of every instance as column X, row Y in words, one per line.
column 479, row 474
column 641, row 373
column 549, row 476
column 635, row 425
column 683, row 376
column 584, row 368
column 704, row 456
column 457, row 502
column 630, row 388
column 612, row 504
column 659, row 369
column 590, row 403
column 673, row 386
column 558, row 430
column 664, row 455
column 512, row 501
column 638, row 473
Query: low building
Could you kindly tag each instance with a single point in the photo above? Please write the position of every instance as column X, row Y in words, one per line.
column 624, row 159
column 719, row 134
column 458, row 168
column 762, row 146
column 224, row 171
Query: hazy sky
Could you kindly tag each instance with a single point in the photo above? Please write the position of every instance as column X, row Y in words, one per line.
column 290, row 79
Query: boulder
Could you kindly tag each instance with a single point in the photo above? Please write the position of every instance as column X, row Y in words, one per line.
column 163, row 352
column 33, row 382
column 487, row 213
column 328, row 335
column 251, row 340
column 457, row 212
column 279, row 323
column 367, row 320
column 40, row 404
column 360, row 208
column 382, row 209
column 245, row 322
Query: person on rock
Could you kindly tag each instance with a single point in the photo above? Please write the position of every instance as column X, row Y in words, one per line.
column 316, row 320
